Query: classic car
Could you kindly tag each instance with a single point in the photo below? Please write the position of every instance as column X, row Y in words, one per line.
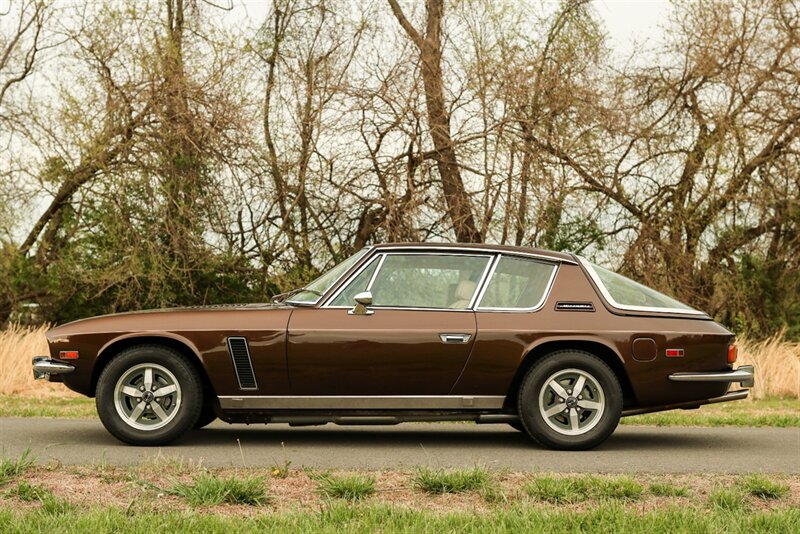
column 543, row 341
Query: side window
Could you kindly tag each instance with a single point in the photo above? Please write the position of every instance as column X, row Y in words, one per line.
column 356, row 285
column 517, row 283
column 428, row 280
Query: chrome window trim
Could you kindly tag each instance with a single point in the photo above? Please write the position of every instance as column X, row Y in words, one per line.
column 410, row 246
column 378, row 257
column 364, row 402
column 311, row 304
column 383, row 255
column 629, row 307
column 539, row 305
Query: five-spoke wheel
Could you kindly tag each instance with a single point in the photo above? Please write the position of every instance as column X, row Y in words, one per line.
column 149, row 395
column 570, row 400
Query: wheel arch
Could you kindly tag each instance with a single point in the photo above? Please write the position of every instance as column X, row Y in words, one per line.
column 593, row 346
column 119, row 344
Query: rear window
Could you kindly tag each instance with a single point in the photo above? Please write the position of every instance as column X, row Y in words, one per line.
column 625, row 293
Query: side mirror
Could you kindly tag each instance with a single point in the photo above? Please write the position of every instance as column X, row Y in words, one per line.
column 363, row 300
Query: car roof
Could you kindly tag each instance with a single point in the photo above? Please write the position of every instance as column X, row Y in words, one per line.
column 509, row 249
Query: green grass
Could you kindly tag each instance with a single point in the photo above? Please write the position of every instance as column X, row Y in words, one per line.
column 782, row 413
column 764, row 488
column 438, row 481
column 51, row 505
column 560, row 490
column 11, row 468
column 350, row 487
column 208, row 490
column 61, row 407
column 667, row 490
column 731, row 500
column 339, row 518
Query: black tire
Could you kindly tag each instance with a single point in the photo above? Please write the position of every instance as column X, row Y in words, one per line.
column 128, row 371
column 588, row 418
column 517, row 426
column 207, row 415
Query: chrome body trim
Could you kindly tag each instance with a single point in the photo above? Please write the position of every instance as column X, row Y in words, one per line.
column 361, row 402
column 455, row 338
column 744, row 374
column 629, row 307
column 730, row 396
column 43, row 367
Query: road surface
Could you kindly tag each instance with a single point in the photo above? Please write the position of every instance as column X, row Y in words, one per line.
column 630, row 448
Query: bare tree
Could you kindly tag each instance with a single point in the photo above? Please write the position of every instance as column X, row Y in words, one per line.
column 429, row 45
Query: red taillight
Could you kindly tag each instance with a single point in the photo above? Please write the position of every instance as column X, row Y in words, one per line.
column 733, row 353
column 674, row 353
column 68, row 355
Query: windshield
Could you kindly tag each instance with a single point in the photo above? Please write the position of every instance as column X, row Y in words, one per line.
column 313, row 291
column 626, row 294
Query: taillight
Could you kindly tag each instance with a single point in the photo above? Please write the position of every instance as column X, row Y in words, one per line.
column 674, row 353
column 733, row 353
column 68, row 355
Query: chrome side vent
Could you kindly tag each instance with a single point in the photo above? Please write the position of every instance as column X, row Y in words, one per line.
column 240, row 355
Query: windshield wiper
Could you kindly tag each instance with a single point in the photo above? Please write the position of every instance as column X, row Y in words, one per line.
column 283, row 296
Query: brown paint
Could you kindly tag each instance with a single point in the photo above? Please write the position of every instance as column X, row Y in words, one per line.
column 313, row 351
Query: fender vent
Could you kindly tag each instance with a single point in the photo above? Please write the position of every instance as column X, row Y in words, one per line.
column 240, row 355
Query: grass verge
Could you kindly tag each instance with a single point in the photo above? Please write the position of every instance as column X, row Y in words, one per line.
column 11, row 468
column 766, row 412
column 339, row 517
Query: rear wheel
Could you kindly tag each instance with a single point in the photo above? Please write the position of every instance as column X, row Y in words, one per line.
column 149, row 395
column 570, row 400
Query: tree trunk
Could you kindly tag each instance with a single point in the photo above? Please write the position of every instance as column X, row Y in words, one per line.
column 430, row 50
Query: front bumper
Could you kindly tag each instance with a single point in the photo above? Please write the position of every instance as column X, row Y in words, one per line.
column 44, row 368
column 744, row 374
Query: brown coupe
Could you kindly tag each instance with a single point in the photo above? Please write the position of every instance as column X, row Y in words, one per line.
column 544, row 341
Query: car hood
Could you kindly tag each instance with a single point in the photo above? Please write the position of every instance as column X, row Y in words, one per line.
column 210, row 317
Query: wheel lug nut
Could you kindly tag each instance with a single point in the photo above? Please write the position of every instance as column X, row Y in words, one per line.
column 141, row 388
column 580, row 397
column 560, row 399
column 569, row 392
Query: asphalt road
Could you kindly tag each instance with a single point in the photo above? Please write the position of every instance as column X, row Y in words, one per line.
column 630, row 449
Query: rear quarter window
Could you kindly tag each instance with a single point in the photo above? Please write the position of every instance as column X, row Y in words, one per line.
column 517, row 283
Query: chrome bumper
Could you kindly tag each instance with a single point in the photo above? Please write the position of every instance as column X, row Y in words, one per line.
column 743, row 374
column 43, row 367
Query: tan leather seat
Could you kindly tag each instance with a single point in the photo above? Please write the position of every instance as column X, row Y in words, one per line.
column 463, row 294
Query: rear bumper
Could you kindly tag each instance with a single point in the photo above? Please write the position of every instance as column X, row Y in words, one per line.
column 743, row 374
column 44, row 368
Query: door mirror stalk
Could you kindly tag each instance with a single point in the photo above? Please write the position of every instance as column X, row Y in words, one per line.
column 363, row 300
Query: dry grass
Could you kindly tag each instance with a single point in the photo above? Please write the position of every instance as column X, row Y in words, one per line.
column 17, row 346
column 777, row 364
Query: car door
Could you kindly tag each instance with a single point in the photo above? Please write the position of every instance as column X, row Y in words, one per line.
column 414, row 340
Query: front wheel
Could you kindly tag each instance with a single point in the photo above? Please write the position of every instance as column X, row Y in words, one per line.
column 149, row 395
column 570, row 400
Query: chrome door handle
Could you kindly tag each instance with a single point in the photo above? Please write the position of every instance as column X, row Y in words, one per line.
column 455, row 338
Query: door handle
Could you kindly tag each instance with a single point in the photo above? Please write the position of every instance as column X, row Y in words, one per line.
column 455, row 338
